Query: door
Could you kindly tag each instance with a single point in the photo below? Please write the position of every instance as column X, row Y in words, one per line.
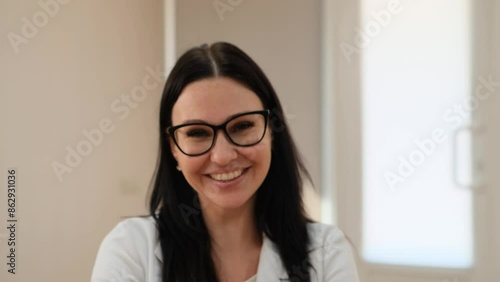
column 413, row 105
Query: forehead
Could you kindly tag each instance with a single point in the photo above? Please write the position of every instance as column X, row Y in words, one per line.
column 214, row 100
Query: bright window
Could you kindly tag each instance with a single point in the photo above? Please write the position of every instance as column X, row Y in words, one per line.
column 416, row 81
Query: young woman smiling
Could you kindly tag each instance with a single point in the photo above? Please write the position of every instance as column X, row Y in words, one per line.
column 226, row 203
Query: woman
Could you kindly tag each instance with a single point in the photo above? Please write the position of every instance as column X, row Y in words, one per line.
column 226, row 202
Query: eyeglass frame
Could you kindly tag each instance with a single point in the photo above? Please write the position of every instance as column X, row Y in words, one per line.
column 171, row 130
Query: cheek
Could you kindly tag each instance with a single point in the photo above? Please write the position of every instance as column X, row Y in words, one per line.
column 173, row 148
column 260, row 153
column 192, row 170
column 191, row 165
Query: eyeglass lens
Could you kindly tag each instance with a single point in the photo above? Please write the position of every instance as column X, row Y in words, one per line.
column 245, row 130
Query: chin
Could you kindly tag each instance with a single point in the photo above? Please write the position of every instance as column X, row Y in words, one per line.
column 233, row 202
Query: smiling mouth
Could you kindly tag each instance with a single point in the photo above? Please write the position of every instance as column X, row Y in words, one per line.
column 225, row 177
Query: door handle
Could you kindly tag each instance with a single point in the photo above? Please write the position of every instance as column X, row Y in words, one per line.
column 476, row 160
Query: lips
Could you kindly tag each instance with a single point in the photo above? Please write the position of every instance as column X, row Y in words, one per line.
column 228, row 176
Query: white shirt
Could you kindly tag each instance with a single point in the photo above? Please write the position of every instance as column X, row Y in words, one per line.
column 131, row 252
column 252, row 279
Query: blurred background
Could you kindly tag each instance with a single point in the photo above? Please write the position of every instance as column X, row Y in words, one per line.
column 392, row 103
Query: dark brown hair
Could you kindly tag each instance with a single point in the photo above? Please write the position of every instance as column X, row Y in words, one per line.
column 279, row 211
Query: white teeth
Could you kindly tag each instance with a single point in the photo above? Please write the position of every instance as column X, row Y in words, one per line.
column 227, row 176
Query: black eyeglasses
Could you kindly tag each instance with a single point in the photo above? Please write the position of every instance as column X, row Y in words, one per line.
column 244, row 130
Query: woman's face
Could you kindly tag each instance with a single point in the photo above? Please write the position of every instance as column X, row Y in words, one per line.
column 243, row 169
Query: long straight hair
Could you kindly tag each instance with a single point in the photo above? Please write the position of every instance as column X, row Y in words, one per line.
column 278, row 211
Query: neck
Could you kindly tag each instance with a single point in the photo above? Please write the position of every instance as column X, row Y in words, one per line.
column 236, row 242
column 232, row 231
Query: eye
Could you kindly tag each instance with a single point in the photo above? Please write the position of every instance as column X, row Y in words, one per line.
column 198, row 133
column 242, row 126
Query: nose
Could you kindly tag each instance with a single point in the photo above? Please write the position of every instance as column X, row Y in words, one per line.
column 223, row 151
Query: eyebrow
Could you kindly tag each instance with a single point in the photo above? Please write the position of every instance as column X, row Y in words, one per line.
column 204, row 121
column 193, row 121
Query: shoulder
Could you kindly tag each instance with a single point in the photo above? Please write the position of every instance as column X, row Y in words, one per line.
column 331, row 253
column 127, row 251
column 322, row 235
column 134, row 234
column 134, row 226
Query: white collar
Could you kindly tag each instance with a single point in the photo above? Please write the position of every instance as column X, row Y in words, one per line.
column 270, row 265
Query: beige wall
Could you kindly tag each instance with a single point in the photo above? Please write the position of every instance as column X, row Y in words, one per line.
column 64, row 79
column 284, row 38
column 65, row 69
column 488, row 216
column 494, row 149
